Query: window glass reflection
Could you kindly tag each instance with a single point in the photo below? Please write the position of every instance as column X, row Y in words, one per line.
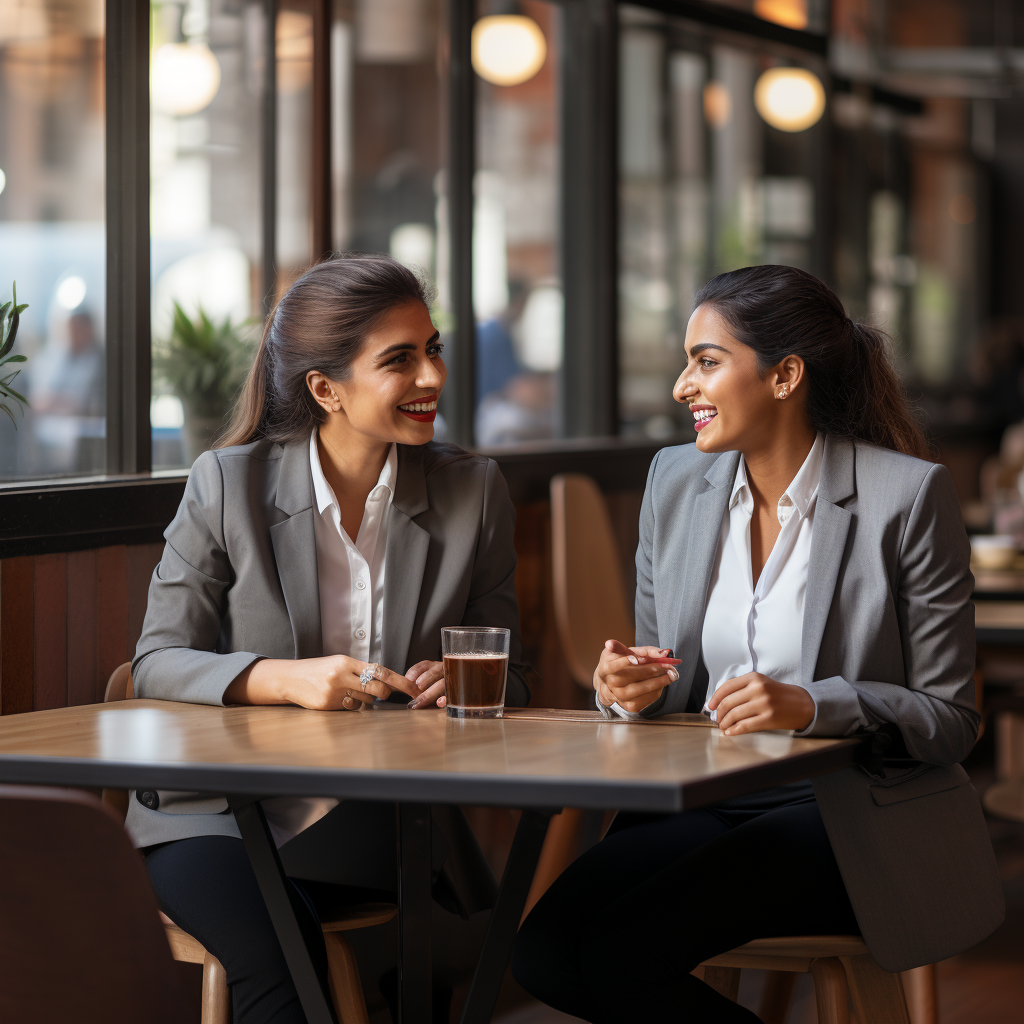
column 707, row 184
column 206, row 93
column 52, row 235
column 517, row 291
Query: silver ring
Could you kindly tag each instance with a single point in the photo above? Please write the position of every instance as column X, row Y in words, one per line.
column 370, row 672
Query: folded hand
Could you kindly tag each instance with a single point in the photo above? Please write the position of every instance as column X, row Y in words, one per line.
column 428, row 677
column 753, row 703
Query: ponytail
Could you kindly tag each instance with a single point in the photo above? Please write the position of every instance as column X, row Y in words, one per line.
column 853, row 389
column 878, row 410
column 248, row 416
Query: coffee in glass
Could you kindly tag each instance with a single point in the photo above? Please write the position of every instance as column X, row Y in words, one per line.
column 475, row 670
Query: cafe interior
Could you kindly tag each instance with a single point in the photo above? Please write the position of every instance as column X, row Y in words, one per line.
column 565, row 175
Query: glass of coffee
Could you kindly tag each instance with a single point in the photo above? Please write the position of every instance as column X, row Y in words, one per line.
column 475, row 670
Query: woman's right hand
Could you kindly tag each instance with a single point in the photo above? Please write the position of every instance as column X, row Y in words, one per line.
column 320, row 684
column 624, row 676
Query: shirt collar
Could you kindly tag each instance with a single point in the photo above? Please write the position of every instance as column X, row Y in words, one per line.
column 324, row 493
column 798, row 495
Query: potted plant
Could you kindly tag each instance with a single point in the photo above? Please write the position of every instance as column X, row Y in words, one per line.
column 10, row 317
column 203, row 363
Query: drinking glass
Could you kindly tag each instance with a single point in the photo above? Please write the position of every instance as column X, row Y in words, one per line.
column 475, row 670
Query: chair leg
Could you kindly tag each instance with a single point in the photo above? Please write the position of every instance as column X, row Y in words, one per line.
column 346, row 988
column 877, row 994
column 216, row 996
column 921, row 988
column 776, row 997
column 831, row 992
column 725, row 980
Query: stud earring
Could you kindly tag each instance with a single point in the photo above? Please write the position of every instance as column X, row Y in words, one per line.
column 783, row 392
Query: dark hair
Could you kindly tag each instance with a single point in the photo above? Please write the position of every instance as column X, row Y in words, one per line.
column 852, row 388
column 318, row 324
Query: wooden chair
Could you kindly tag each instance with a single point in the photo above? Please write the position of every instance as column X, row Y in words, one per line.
column 590, row 598
column 80, row 939
column 842, row 969
column 346, row 988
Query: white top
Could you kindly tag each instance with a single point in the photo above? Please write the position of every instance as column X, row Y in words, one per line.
column 351, row 581
column 759, row 629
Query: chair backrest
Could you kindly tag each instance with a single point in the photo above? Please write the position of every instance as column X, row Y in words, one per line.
column 80, row 932
column 119, row 687
column 590, row 599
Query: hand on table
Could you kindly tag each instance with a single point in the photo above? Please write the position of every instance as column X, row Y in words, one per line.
column 624, row 675
column 321, row 684
column 428, row 677
column 753, row 703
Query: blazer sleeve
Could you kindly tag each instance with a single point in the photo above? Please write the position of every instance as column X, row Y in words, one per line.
column 492, row 596
column 935, row 711
column 176, row 657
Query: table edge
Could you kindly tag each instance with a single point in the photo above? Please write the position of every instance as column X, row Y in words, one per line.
column 476, row 789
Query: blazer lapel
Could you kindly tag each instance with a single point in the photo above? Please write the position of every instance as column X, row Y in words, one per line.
column 828, row 544
column 703, row 529
column 294, row 541
column 406, row 558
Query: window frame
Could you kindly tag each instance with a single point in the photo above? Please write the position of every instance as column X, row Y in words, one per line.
column 130, row 503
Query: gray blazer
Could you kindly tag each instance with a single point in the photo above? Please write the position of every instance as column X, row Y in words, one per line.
column 887, row 649
column 237, row 581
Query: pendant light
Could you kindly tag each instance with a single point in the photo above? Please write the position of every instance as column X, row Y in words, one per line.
column 509, row 47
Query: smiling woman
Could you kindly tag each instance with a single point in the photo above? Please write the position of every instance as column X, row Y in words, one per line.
column 314, row 558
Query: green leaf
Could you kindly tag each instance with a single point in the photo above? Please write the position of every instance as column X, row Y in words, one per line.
column 17, row 358
column 10, row 414
column 15, row 394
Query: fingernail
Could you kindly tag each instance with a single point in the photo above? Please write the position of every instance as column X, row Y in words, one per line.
column 632, row 660
column 442, row 702
column 413, row 704
column 673, row 674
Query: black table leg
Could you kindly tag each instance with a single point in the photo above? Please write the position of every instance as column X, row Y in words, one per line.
column 501, row 932
column 262, row 851
column 414, row 909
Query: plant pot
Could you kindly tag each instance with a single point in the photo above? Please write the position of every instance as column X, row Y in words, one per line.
column 198, row 434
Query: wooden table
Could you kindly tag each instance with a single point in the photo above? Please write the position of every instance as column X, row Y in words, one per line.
column 533, row 760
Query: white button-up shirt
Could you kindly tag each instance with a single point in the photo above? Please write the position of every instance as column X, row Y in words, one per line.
column 750, row 628
column 351, row 573
column 351, row 581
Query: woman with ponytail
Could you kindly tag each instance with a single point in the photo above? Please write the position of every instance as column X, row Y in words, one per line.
column 808, row 566
column 314, row 559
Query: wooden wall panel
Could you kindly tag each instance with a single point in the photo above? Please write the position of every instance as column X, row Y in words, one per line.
column 142, row 560
column 111, row 611
column 17, row 582
column 81, row 609
column 50, row 600
column 68, row 620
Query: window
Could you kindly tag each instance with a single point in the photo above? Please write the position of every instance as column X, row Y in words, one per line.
column 206, row 196
column 706, row 185
column 517, row 289
column 52, row 235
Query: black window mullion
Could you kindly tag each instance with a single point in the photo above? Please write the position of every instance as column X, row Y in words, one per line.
column 589, row 204
column 128, row 333
column 460, row 394
column 268, row 159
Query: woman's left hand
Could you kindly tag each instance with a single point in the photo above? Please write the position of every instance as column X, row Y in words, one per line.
column 753, row 703
column 429, row 677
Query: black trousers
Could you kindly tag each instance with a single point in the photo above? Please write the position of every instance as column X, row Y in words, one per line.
column 206, row 885
column 616, row 936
